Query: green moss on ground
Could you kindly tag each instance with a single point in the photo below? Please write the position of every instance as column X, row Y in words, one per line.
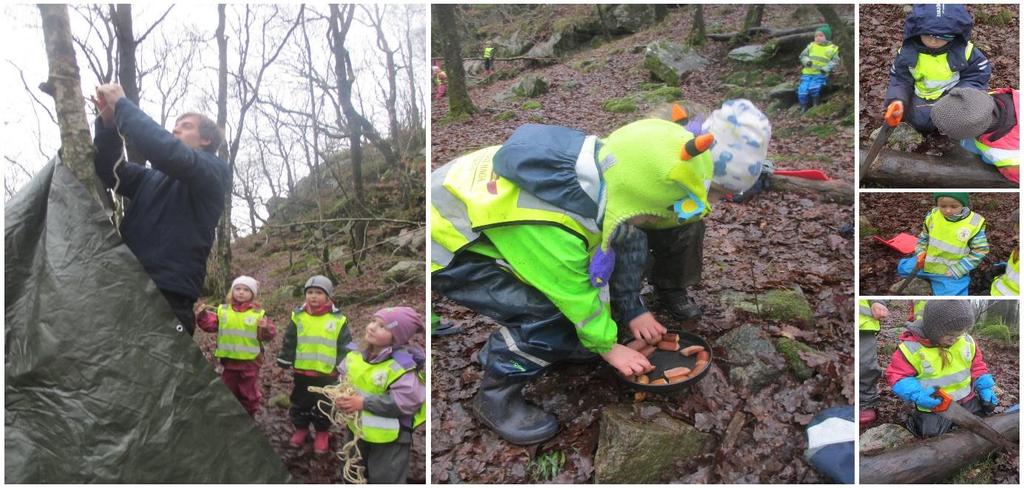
column 790, row 349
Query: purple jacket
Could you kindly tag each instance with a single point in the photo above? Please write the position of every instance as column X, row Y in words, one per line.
column 404, row 396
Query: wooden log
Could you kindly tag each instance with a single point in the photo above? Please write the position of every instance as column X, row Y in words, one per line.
column 765, row 30
column 938, row 458
column 958, row 169
column 837, row 191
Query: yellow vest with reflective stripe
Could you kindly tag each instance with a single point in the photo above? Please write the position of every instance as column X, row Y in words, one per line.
column 820, row 56
column 488, row 52
column 948, row 241
column 866, row 321
column 954, row 378
column 996, row 156
column 317, row 348
column 1008, row 284
column 467, row 197
column 932, row 76
column 374, row 379
column 918, row 310
column 236, row 333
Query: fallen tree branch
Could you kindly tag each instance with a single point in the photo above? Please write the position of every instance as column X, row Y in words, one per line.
column 348, row 219
column 836, row 191
column 938, row 458
column 959, row 169
column 383, row 294
column 753, row 31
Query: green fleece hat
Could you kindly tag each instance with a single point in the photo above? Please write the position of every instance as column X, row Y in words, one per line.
column 962, row 197
column 645, row 174
column 827, row 30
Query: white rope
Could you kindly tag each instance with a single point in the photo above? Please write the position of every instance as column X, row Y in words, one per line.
column 353, row 471
column 118, row 200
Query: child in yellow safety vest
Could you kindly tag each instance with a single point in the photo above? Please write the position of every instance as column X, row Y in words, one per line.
column 984, row 123
column 869, row 317
column 952, row 242
column 819, row 59
column 1008, row 283
column 936, row 353
column 242, row 327
column 313, row 347
column 384, row 370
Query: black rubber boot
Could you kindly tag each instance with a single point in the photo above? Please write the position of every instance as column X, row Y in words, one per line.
column 679, row 304
column 500, row 405
column 815, row 101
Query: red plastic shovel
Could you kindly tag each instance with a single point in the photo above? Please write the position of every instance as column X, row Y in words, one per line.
column 902, row 242
column 807, row 174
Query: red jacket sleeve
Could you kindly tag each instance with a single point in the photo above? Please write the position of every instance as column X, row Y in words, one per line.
column 899, row 368
column 207, row 321
column 978, row 366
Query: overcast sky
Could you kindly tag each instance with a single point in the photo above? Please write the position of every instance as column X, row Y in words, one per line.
column 30, row 137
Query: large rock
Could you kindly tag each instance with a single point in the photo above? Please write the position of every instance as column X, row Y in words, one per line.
column 902, row 138
column 632, row 18
column 784, row 93
column 410, row 241
column 514, row 44
column 754, row 53
column 790, row 350
column 529, row 86
column 918, row 287
column 786, row 305
column 753, row 357
column 672, row 62
column 633, row 450
column 404, row 270
column 885, row 436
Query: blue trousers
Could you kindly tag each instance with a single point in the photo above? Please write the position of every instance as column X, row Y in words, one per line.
column 942, row 285
column 810, row 87
column 919, row 115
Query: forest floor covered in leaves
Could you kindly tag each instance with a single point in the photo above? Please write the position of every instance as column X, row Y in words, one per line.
column 888, row 214
column 1003, row 360
column 358, row 293
column 775, row 241
column 881, row 34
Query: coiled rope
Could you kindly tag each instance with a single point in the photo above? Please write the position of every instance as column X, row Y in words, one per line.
column 353, row 471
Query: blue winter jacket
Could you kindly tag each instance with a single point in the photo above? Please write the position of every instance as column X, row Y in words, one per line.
column 174, row 206
column 941, row 19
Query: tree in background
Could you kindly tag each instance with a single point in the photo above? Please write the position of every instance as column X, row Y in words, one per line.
column 459, row 103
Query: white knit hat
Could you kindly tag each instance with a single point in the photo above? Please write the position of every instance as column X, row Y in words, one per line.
column 248, row 282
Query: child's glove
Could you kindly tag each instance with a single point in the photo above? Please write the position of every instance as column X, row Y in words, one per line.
column 910, row 390
column 986, row 387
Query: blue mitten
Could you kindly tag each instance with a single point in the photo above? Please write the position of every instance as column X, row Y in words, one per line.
column 986, row 385
column 910, row 390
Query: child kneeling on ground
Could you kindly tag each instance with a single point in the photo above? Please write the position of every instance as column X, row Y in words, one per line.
column 384, row 369
column 984, row 124
column 312, row 348
column 951, row 244
column 242, row 327
column 937, row 353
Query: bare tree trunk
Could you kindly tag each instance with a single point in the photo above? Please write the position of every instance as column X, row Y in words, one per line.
column 391, row 73
column 219, row 278
column 64, row 84
column 315, row 160
column 697, row 36
column 459, row 103
column 121, row 16
column 754, row 15
column 843, row 37
column 340, row 23
column 415, row 122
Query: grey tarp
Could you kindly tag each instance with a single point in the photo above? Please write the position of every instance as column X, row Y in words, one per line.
column 100, row 387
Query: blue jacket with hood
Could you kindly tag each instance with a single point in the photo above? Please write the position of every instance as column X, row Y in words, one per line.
column 175, row 205
column 940, row 19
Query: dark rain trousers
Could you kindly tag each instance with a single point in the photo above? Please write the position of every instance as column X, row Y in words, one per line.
column 387, row 463
column 927, row 424
column 303, row 410
column 869, row 370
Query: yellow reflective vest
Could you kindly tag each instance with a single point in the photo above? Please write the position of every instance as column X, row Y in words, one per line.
column 954, row 377
column 467, row 196
column 948, row 242
column 236, row 333
column 866, row 321
column 488, row 52
column 374, row 379
column 918, row 312
column 820, row 55
column 932, row 76
column 317, row 340
column 1008, row 284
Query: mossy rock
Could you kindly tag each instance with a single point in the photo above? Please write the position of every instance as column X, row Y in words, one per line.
column 651, row 86
column 831, row 108
column 662, row 94
column 790, row 350
column 785, row 305
column 587, row 66
column 280, row 400
column 531, row 105
column 631, row 450
column 749, row 92
column 505, row 116
column 452, row 120
column 996, row 332
column 619, row 105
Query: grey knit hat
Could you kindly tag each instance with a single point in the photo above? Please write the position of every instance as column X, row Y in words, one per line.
column 944, row 317
column 965, row 113
column 320, row 282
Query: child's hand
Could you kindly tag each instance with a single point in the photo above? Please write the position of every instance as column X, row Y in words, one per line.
column 646, row 328
column 627, row 361
column 199, row 306
column 349, row 403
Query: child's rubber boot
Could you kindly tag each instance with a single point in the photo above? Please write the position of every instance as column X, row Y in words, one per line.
column 804, row 106
column 321, row 442
column 815, row 101
column 500, row 405
column 299, row 437
column 679, row 304
column 867, row 417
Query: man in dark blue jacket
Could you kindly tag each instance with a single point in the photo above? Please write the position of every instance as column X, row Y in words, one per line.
column 175, row 204
column 937, row 55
